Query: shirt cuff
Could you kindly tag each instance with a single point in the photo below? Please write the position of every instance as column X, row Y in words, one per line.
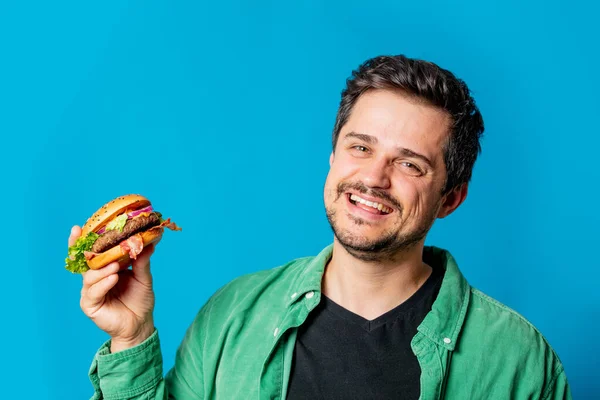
column 129, row 372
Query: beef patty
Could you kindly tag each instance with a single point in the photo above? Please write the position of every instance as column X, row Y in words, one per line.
column 114, row 237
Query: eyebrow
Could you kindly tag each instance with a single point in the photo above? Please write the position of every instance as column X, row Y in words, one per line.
column 361, row 136
column 401, row 150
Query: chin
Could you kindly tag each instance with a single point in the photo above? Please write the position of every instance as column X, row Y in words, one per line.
column 366, row 246
column 369, row 244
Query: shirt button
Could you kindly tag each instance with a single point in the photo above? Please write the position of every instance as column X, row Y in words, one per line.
column 276, row 332
column 310, row 295
column 447, row 340
column 294, row 295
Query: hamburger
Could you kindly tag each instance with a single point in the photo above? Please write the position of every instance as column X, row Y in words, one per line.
column 118, row 231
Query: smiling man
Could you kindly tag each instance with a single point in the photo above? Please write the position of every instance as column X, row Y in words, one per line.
column 377, row 314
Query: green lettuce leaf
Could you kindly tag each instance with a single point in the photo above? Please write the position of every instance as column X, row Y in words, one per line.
column 117, row 223
column 76, row 262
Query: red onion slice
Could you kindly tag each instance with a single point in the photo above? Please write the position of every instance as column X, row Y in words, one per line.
column 138, row 212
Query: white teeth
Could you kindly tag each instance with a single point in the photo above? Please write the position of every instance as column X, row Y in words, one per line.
column 373, row 204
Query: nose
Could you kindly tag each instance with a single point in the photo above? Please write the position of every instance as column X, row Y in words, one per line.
column 376, row 173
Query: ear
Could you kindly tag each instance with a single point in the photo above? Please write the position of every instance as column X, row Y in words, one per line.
column 331, row 159
column 452, row 200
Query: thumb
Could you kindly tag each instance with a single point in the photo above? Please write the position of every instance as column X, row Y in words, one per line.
column 141, row 266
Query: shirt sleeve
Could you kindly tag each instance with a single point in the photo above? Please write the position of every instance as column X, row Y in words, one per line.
column 128, row 373
column 137, row 373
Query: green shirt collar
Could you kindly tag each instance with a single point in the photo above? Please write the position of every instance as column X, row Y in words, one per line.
column 309, row 279
column 445, row 320
column 442, row 324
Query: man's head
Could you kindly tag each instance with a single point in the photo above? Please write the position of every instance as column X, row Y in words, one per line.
column 406, row 136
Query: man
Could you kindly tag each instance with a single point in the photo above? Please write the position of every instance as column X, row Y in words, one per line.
column 376, row 315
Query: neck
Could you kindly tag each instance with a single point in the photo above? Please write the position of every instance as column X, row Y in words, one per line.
column 370, row 289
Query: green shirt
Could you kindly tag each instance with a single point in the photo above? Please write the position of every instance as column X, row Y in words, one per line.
column 241, row 343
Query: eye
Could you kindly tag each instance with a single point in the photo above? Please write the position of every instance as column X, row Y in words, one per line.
column 412, row 168
column 360, row 148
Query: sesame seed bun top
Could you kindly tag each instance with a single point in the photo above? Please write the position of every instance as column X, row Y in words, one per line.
column 112, row 209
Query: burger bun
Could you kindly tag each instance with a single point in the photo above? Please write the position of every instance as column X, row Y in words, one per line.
column 116, row 253
column 112, row 209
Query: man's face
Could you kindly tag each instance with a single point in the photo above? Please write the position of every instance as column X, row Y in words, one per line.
column 390, row 152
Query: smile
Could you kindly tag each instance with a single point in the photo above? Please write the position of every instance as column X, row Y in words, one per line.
column 382, row 209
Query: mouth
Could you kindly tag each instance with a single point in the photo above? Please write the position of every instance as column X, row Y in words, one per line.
column 370, row 206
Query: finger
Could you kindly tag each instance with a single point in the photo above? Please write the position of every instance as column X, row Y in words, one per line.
column 95, row 295
column 92, row 276
column 75, row 233
column 141, row 266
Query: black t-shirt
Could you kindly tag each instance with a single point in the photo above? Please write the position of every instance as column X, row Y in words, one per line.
column 341, row 355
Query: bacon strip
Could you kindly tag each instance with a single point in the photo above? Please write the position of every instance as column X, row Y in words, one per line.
column 171, row 225
column 134, row 245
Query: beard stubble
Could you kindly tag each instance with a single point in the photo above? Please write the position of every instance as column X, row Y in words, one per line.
column 386, row 246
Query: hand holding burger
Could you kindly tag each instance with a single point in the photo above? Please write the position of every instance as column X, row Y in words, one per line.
column 120, row 302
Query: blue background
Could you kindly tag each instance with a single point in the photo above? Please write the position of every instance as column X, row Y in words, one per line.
column 221, row 114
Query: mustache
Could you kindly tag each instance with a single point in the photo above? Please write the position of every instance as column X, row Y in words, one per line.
column 363, row 189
